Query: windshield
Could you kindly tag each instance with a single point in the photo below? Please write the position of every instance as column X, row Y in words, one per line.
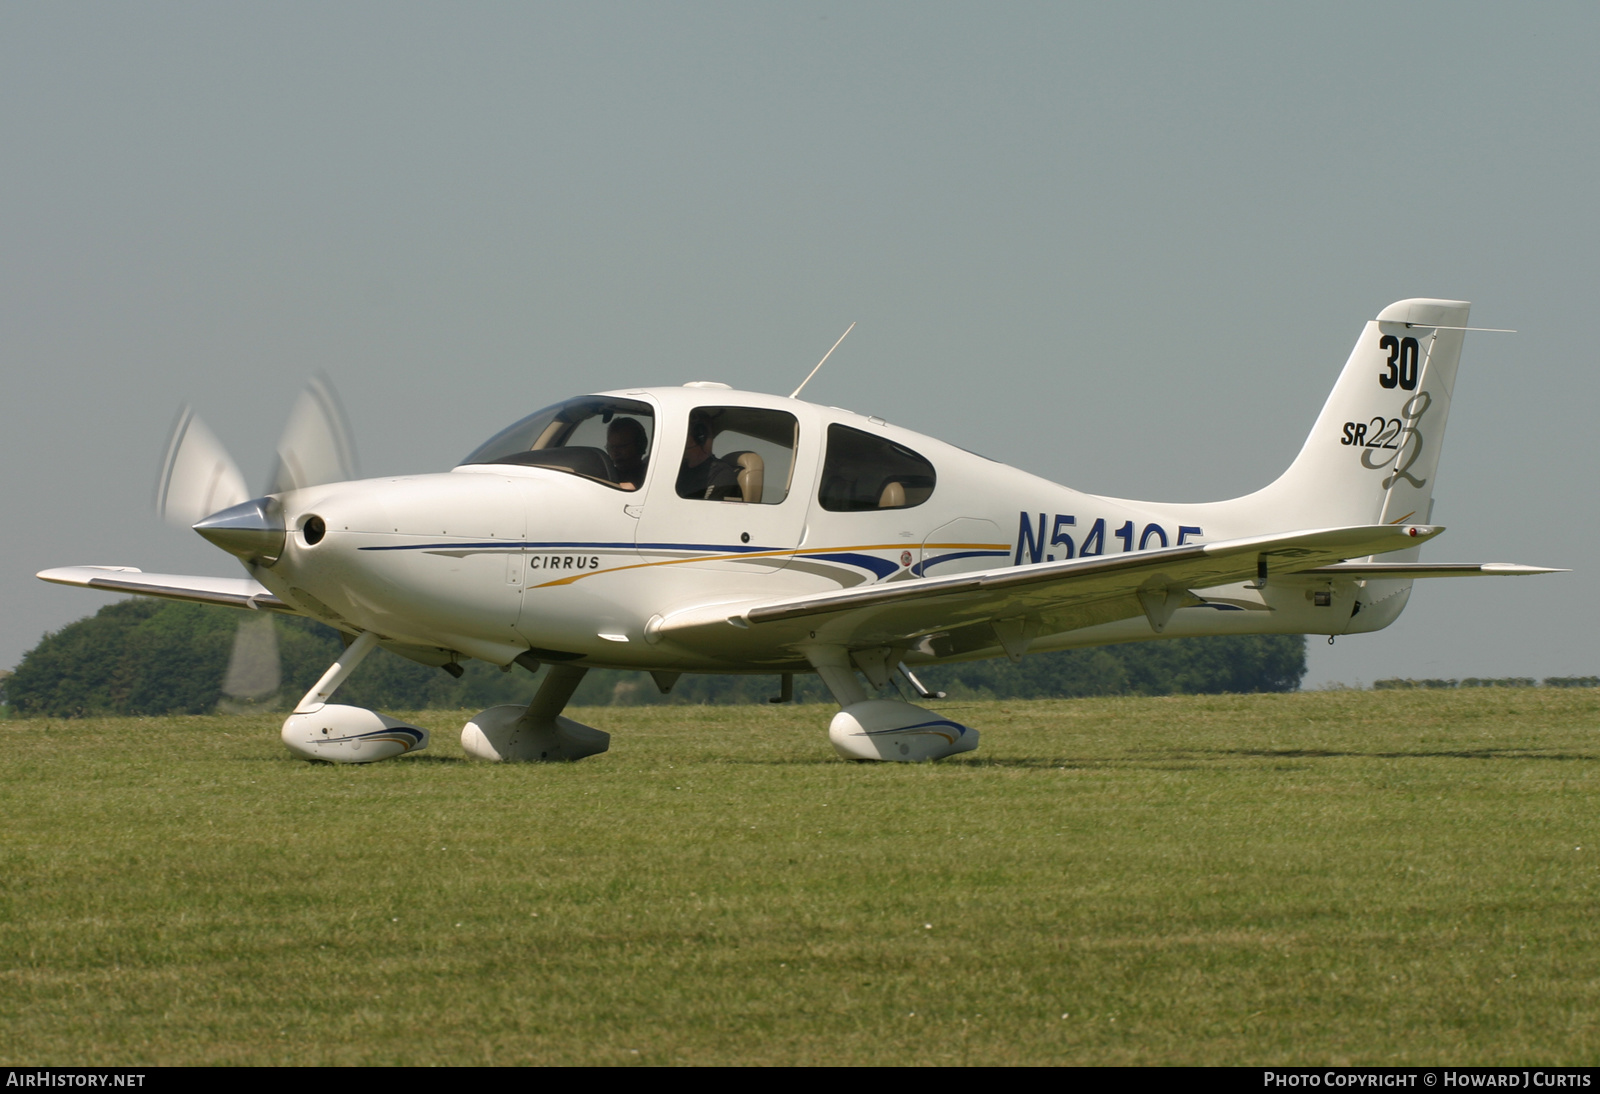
column 604, row 439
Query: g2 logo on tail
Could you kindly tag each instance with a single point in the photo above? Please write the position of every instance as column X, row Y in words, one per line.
column 1398, row 436
column 1407, row 442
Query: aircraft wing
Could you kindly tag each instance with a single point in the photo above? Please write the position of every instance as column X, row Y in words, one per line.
column 228, row 592
column 1014, row 604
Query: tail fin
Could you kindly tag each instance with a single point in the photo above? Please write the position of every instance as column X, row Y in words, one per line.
column 1372, row 455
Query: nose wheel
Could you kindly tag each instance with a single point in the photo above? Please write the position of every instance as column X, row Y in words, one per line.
column 320, row 730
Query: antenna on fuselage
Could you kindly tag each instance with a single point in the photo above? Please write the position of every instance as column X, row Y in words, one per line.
column 795, row 394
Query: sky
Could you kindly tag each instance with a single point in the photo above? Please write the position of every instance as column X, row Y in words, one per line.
column 1126, row 247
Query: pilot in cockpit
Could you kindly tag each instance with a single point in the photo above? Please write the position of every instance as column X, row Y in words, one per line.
column 625, row 444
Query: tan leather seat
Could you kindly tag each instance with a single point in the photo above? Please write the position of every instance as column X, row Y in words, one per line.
column 752, row 474
column 893, row 496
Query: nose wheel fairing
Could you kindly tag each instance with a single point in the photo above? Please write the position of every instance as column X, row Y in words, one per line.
column 319, row 730
column 350, row 735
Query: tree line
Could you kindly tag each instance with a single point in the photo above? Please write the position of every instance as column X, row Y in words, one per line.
column 149, row 657
column 1406, row 684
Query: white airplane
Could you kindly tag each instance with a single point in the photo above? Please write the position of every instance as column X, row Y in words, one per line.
column 702, row 529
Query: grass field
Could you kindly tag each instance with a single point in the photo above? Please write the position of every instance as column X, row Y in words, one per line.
column 1335, row 877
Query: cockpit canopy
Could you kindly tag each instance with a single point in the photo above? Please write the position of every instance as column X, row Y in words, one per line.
column 597, row 437
column 729, row 452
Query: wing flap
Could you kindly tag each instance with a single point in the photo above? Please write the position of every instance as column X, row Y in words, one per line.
column 227, row 592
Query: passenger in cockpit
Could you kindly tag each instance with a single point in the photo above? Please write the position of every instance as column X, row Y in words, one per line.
column 703, row 475
column 625, row 444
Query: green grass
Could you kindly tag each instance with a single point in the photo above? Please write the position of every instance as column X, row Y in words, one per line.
column 1338, row 877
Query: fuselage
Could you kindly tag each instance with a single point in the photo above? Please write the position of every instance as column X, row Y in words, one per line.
column 537, row 548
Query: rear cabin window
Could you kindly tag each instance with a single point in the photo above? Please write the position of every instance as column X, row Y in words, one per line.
column 866, row 472
column 741, row 454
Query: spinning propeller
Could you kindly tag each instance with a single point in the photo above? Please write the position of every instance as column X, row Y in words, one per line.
column 199, row 479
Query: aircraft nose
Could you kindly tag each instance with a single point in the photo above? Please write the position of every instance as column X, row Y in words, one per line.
column 253, row 530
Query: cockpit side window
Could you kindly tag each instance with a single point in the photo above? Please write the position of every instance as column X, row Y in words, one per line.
column 735, row 453
column 864, row 472
column 595, row 437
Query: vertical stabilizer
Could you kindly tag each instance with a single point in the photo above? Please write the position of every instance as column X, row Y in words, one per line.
column 1373, row 453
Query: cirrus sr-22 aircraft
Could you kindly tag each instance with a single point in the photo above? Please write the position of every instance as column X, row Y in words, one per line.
column 702, row 529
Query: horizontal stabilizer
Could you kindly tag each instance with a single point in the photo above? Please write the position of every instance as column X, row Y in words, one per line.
column 227, row 592
column 1408, row 570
